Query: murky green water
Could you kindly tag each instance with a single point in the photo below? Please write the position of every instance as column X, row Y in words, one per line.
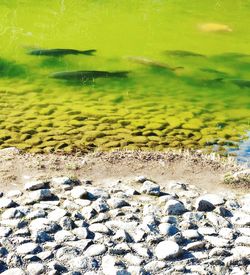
column 205, row 103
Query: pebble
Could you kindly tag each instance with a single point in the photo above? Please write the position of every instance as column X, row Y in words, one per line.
column 35, row 268
column 95, row 250
column 35, row 185
column 28, row 248
column 40, row 195
column 6, row 203
column 79, row 192
column 167, row 249
column 150, row 188
column 14, row 271
column 69, row 228
column 174, row 207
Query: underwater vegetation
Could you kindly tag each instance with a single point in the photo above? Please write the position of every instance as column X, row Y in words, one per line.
column 180, row 100
column 9, row 68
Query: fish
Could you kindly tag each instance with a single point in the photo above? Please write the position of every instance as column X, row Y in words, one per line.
column 214, row 27
column 181, row 53
column 87, row 75
column 59, row 52
column 152, row 63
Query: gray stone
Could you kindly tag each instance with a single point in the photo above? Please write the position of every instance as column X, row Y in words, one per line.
column 208, row 202
column 83, row 263
column 167, row 249
column 65, row 183
column 95, row 193
column 100, row 205
column 39, row 213
column 150, row 188
column 40, row 195
column 43, row 224
column 174, row 207
column 120, row 249
column 41, row 237
column 167, row 229
column 117, row 203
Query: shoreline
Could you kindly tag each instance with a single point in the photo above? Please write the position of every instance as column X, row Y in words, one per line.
column 206, row 171
column 122, row 213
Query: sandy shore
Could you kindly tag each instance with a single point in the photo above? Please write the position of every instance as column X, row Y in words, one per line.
column 205, row 171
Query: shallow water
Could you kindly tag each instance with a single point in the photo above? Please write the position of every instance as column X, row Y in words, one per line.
column 203, row 104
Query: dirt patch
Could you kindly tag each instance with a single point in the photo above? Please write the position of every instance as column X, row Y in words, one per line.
column 205, row 171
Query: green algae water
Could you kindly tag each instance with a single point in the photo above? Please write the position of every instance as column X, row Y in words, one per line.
column 187, row 86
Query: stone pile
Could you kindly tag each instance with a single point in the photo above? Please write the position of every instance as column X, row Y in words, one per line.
column 64, row 226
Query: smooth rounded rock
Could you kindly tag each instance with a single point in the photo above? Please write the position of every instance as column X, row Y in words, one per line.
column 167, row 249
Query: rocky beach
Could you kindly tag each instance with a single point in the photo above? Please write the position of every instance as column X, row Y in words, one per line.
column 147, row 217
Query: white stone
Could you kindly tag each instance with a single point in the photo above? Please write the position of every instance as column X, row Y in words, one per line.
column 206, row 230
column 99, row 227
column 244, row 231
column 155, row 266
column 5, row 231
column 35, row 268
column 243, row 240
column 14, row 271
column 81, row 232
column 191, row 234
column 150, row 188
column 133, row 259
column 27, row 248
column 117, row 203
column 41, row 194
column 57, row 214
column 35, row 185
column 167, row 249
column 14, row 193
column 6, row 203
column 95, row 250
column 64, row 236
column 217, row 241
column 79, row 192
column 241, row 251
